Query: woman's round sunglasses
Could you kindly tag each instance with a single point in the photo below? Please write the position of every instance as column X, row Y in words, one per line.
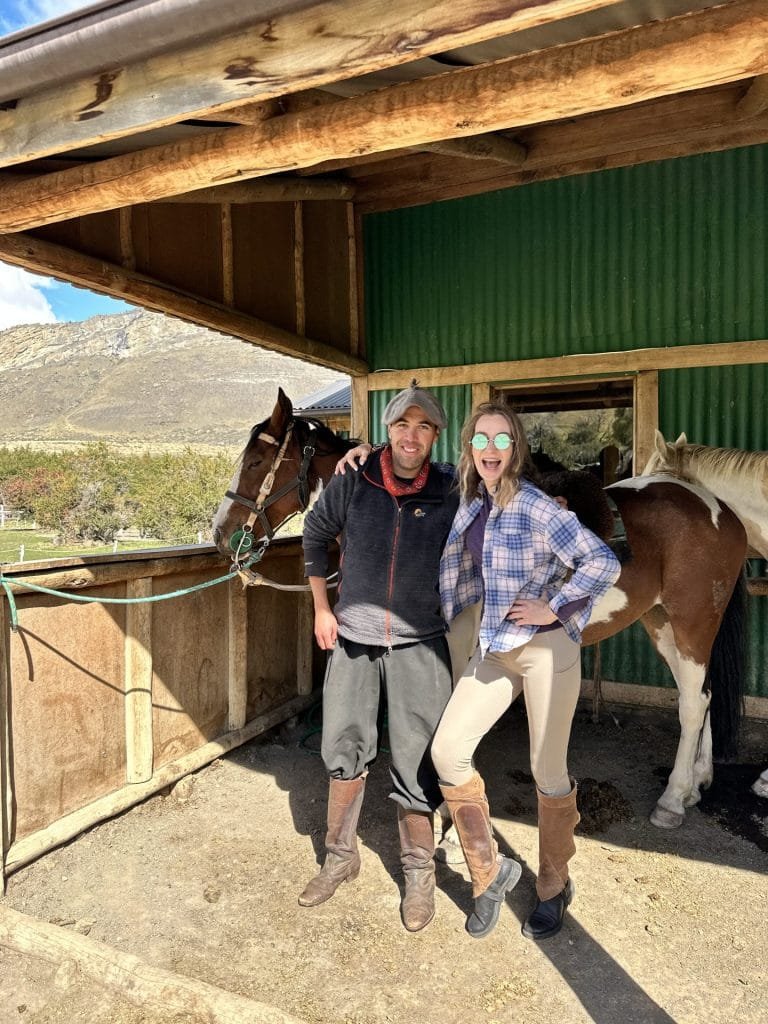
column 501, row 442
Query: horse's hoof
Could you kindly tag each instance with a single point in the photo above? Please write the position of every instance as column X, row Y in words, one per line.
column 760, row 788
column 662, row 818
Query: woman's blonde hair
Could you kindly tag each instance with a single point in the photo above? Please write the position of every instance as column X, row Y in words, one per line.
column 519, row 465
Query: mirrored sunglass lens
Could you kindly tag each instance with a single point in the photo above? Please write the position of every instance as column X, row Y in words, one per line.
column 479, row 442
column 502, row 442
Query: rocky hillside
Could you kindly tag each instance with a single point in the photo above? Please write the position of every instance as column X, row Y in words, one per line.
column 140, row 378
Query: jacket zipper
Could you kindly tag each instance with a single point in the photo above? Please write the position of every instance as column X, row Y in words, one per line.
column 391, row 582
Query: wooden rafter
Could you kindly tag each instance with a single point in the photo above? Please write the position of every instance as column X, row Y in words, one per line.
column 279, row 190
column 712, row 47
column 671, row 127
column 302, row 48
column 495, row 148
column 109, row 279
column 755, row 100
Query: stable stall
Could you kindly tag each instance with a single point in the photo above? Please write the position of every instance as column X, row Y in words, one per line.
column 554, row 197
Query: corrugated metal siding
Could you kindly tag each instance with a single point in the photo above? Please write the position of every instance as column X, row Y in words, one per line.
column 456, row 402
column 668, row 253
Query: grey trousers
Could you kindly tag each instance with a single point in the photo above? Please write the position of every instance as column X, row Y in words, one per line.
column 415, row 680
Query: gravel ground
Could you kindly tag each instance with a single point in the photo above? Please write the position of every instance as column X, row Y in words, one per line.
column 666, row 926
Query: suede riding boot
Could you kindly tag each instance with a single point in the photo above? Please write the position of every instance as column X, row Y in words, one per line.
column 558, row 817
column 417, row 850
column 492, row 876
column 342, row 860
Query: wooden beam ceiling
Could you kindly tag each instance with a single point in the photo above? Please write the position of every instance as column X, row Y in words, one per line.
column 720, row 45
column 671, row 127
column 302, row 48
column 277, row 190
column 121, row 283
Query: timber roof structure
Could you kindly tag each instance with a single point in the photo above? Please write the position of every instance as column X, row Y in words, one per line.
column 214, row 160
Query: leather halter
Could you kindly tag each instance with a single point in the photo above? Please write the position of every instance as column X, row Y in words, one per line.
column 265, row 498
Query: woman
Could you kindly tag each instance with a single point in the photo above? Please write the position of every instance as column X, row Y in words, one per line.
column 537, row 571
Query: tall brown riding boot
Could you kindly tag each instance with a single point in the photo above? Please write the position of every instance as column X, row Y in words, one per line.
column 492, row 876
column 558, row 817
column 417, row 850
column 342, row 860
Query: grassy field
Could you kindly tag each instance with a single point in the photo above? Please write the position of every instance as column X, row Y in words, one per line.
column 41, row 545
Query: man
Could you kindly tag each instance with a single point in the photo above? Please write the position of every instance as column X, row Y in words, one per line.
column 387, row 635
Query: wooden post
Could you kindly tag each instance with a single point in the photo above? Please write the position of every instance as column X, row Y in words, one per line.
column 227, row 257
column 304, row 644
column 480, row 393
column 298, row 267
column 6, row 796
column 138, row 683
column 646, row 417
column 360, row 417
column 237, row 631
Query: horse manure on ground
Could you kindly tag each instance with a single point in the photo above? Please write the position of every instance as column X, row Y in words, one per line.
column 600, row 804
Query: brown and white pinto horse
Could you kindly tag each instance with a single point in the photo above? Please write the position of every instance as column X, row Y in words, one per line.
column 738, row 478
column 687, row 557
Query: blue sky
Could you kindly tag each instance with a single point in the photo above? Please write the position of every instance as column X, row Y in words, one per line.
column 28, row 298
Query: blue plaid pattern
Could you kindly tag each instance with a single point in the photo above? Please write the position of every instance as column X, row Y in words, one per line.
column 532, row 548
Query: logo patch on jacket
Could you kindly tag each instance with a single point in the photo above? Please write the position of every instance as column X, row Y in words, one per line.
column 419, row 513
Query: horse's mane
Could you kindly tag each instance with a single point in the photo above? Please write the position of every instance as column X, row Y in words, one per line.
column 306, row 428
column 321, row 435
column 728, row 464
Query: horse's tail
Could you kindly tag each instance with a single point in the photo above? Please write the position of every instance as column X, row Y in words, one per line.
column 727, row 673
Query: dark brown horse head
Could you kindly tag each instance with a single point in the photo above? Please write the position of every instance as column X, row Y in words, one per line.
column 283, row 463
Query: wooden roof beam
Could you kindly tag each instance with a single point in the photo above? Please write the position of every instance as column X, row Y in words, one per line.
column 755, row 100
column 121, row 283
column 308, row 47
column 663, row 129
column 721, row 44
column 271, row 190
column 495, row 148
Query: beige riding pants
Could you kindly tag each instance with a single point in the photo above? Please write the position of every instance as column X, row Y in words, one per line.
column 547, row 670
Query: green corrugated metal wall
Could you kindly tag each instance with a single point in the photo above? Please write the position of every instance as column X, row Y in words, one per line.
column 671, row 253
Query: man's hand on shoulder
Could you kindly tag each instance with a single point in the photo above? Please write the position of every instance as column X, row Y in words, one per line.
column 356, row 455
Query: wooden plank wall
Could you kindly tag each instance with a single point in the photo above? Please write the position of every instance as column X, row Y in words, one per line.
column 290, row 265
column 106, row 704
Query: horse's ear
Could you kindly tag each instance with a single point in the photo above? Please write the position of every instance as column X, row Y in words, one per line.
column 681, row 439
column 659, row 443
column 281, row 414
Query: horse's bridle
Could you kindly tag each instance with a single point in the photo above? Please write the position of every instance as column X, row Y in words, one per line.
column 265, row 498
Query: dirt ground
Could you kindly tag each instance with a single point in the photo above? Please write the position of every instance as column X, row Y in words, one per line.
column 666, row 927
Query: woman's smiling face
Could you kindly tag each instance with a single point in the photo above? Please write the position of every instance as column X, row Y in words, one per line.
column 492, row 462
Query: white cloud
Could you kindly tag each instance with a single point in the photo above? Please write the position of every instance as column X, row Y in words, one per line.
column 21, row 298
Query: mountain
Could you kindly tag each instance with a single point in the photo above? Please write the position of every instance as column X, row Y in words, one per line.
column 140, row 379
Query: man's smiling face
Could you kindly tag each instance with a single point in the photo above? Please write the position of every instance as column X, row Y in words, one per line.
column 411, row 437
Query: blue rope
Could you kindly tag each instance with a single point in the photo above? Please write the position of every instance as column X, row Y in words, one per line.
column 67, row 595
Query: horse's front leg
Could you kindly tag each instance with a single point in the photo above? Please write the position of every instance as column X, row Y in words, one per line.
column 693, row 761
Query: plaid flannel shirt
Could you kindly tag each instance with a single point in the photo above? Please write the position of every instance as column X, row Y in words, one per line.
column 529, row 549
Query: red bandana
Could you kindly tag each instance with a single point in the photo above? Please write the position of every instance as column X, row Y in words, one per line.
column 396, row 487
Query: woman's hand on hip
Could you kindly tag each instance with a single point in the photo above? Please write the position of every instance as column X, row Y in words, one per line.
column 531, row 612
